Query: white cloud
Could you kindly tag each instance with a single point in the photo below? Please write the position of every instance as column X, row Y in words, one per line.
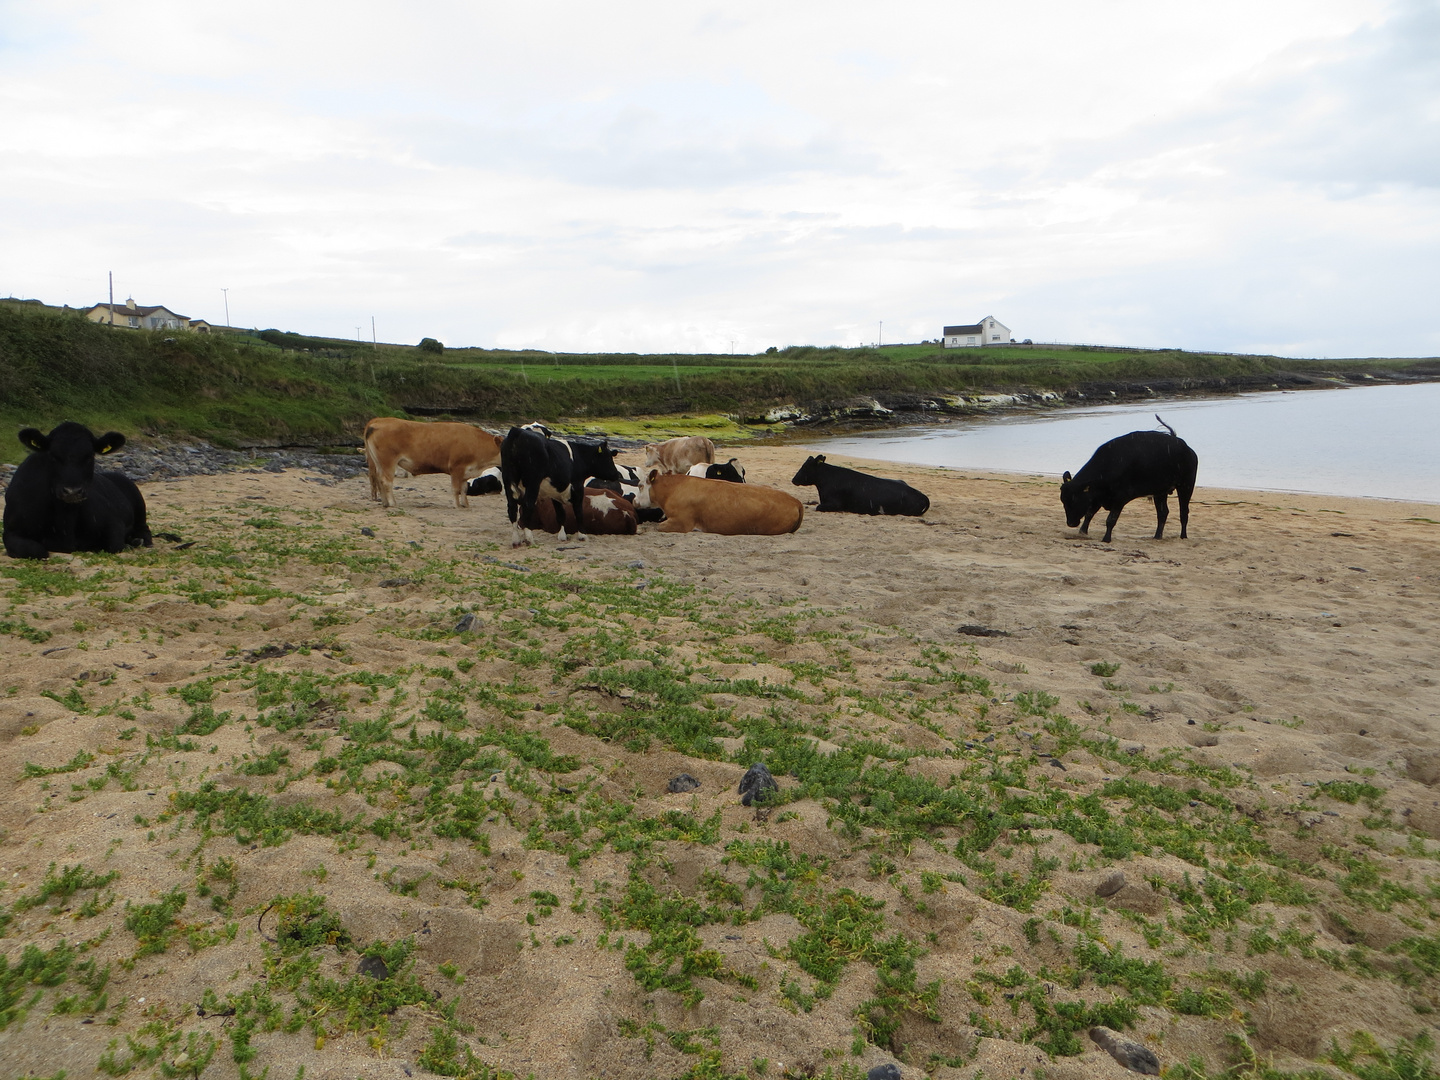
column 660, row 176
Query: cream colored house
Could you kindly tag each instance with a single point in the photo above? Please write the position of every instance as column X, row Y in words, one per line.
column 138, row 317
column 988, row 331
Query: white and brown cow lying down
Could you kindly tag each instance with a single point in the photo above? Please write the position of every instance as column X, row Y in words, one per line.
column 462, row 451
column 678, row 455
column 718, row 506
column 606, row 514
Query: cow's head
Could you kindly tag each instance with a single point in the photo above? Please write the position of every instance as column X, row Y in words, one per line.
column 604, row 466
column 642, row 493
column 1080, row 501
column 70, row 452
column 652, row 456
column 806, row 475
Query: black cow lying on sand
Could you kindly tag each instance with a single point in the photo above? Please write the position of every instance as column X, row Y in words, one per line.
column 536, row 466
column 1139, row 465
column 56, row 500
column 850, row 492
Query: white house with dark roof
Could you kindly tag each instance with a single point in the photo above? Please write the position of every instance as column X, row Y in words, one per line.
column 138, row 317
column 988, row 331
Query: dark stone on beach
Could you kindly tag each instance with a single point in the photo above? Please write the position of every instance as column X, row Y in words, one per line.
column 375, row 967
column 1110, row 884
column 467, row 624
column 972, row 630
column 1131, row 1055
column 395, row 582
column 886, row 1070
column 367, row 531
column 683, row 782
column 757, row 784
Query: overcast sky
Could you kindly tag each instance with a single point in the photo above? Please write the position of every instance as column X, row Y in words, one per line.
column 644, row 176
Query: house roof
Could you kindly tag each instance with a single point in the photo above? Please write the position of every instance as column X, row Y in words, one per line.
column 121, row 309
column 950, row 331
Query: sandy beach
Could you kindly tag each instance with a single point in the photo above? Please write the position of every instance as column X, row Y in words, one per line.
column 1288, row 644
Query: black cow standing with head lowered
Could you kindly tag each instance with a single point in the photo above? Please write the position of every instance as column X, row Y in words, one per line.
column 850, row 492
column 57, row 501
column 1143, row 464
column 534, row 465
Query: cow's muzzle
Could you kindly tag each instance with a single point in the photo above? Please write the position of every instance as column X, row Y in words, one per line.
column 70, row 495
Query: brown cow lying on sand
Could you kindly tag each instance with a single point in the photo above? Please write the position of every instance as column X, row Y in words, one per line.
column 718, row 506
column 606, row 514
column 463, row 451
column 679, row 455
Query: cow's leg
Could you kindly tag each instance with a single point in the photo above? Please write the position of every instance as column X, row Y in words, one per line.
column 1182, row 496
column 1162, row 511
column 385, row 477
column 22, row 547
column 1085, row 525
column 1110, row 520
column 457, row 485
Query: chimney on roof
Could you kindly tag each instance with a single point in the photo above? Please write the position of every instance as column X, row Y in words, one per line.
column 130, row 303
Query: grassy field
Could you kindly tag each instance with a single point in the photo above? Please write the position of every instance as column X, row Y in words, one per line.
column 273, row 386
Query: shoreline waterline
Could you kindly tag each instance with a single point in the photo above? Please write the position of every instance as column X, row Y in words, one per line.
column 1374, row 445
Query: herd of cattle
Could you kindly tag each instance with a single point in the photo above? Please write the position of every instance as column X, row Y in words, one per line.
column 57, row 501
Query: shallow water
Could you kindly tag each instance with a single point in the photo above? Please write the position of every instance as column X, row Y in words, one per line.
column 1375, row 441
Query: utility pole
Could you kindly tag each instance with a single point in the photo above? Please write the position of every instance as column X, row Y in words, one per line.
column 226, row 293
column 357, row 333
column 112, row 297
column 374, row 342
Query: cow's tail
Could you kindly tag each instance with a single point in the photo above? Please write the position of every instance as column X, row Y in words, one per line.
column 1167, row 427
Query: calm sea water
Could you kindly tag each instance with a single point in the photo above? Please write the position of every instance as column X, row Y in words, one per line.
column 1374, row 441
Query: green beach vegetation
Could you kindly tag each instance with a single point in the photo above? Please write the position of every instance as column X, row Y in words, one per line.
column 269, row 385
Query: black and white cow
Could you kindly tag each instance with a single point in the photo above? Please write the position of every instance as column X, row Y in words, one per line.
column 487, row 483
column 849, row 492
column 57, row 501
column 535, row 466
column 1138, row 465
column 731, row 471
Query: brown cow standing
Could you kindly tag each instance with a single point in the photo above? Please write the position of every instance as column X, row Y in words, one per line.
column 679, row 455
column 606, row 514
column 462, row 451
column 718, row 506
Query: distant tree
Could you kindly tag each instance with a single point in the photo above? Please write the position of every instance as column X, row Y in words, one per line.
column 429, row 344
column 771, row 351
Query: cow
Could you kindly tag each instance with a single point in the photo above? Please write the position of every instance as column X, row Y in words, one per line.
column 731, row 471
column 717, row 506
column 461, row 450
column 846, row 491
column 606, row 514
column 1138, row 465
column 57, row 501
column 487, row 483
column 677, row 455
column 534, row 466
column 628, row 486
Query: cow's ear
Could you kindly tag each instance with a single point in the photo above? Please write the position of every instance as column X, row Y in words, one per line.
column 109, row 442
column 819, row 459
column 653, row 474
column 34, row 439
column 1066, row 478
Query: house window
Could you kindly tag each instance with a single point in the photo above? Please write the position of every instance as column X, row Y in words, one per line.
column 970, row 341
column 135, row 321
column 994, row 337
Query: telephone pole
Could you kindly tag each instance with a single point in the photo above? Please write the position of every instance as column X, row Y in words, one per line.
column 112, row 297
column 226, row 293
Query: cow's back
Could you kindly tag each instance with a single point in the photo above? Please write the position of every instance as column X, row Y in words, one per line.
column 716, row 506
